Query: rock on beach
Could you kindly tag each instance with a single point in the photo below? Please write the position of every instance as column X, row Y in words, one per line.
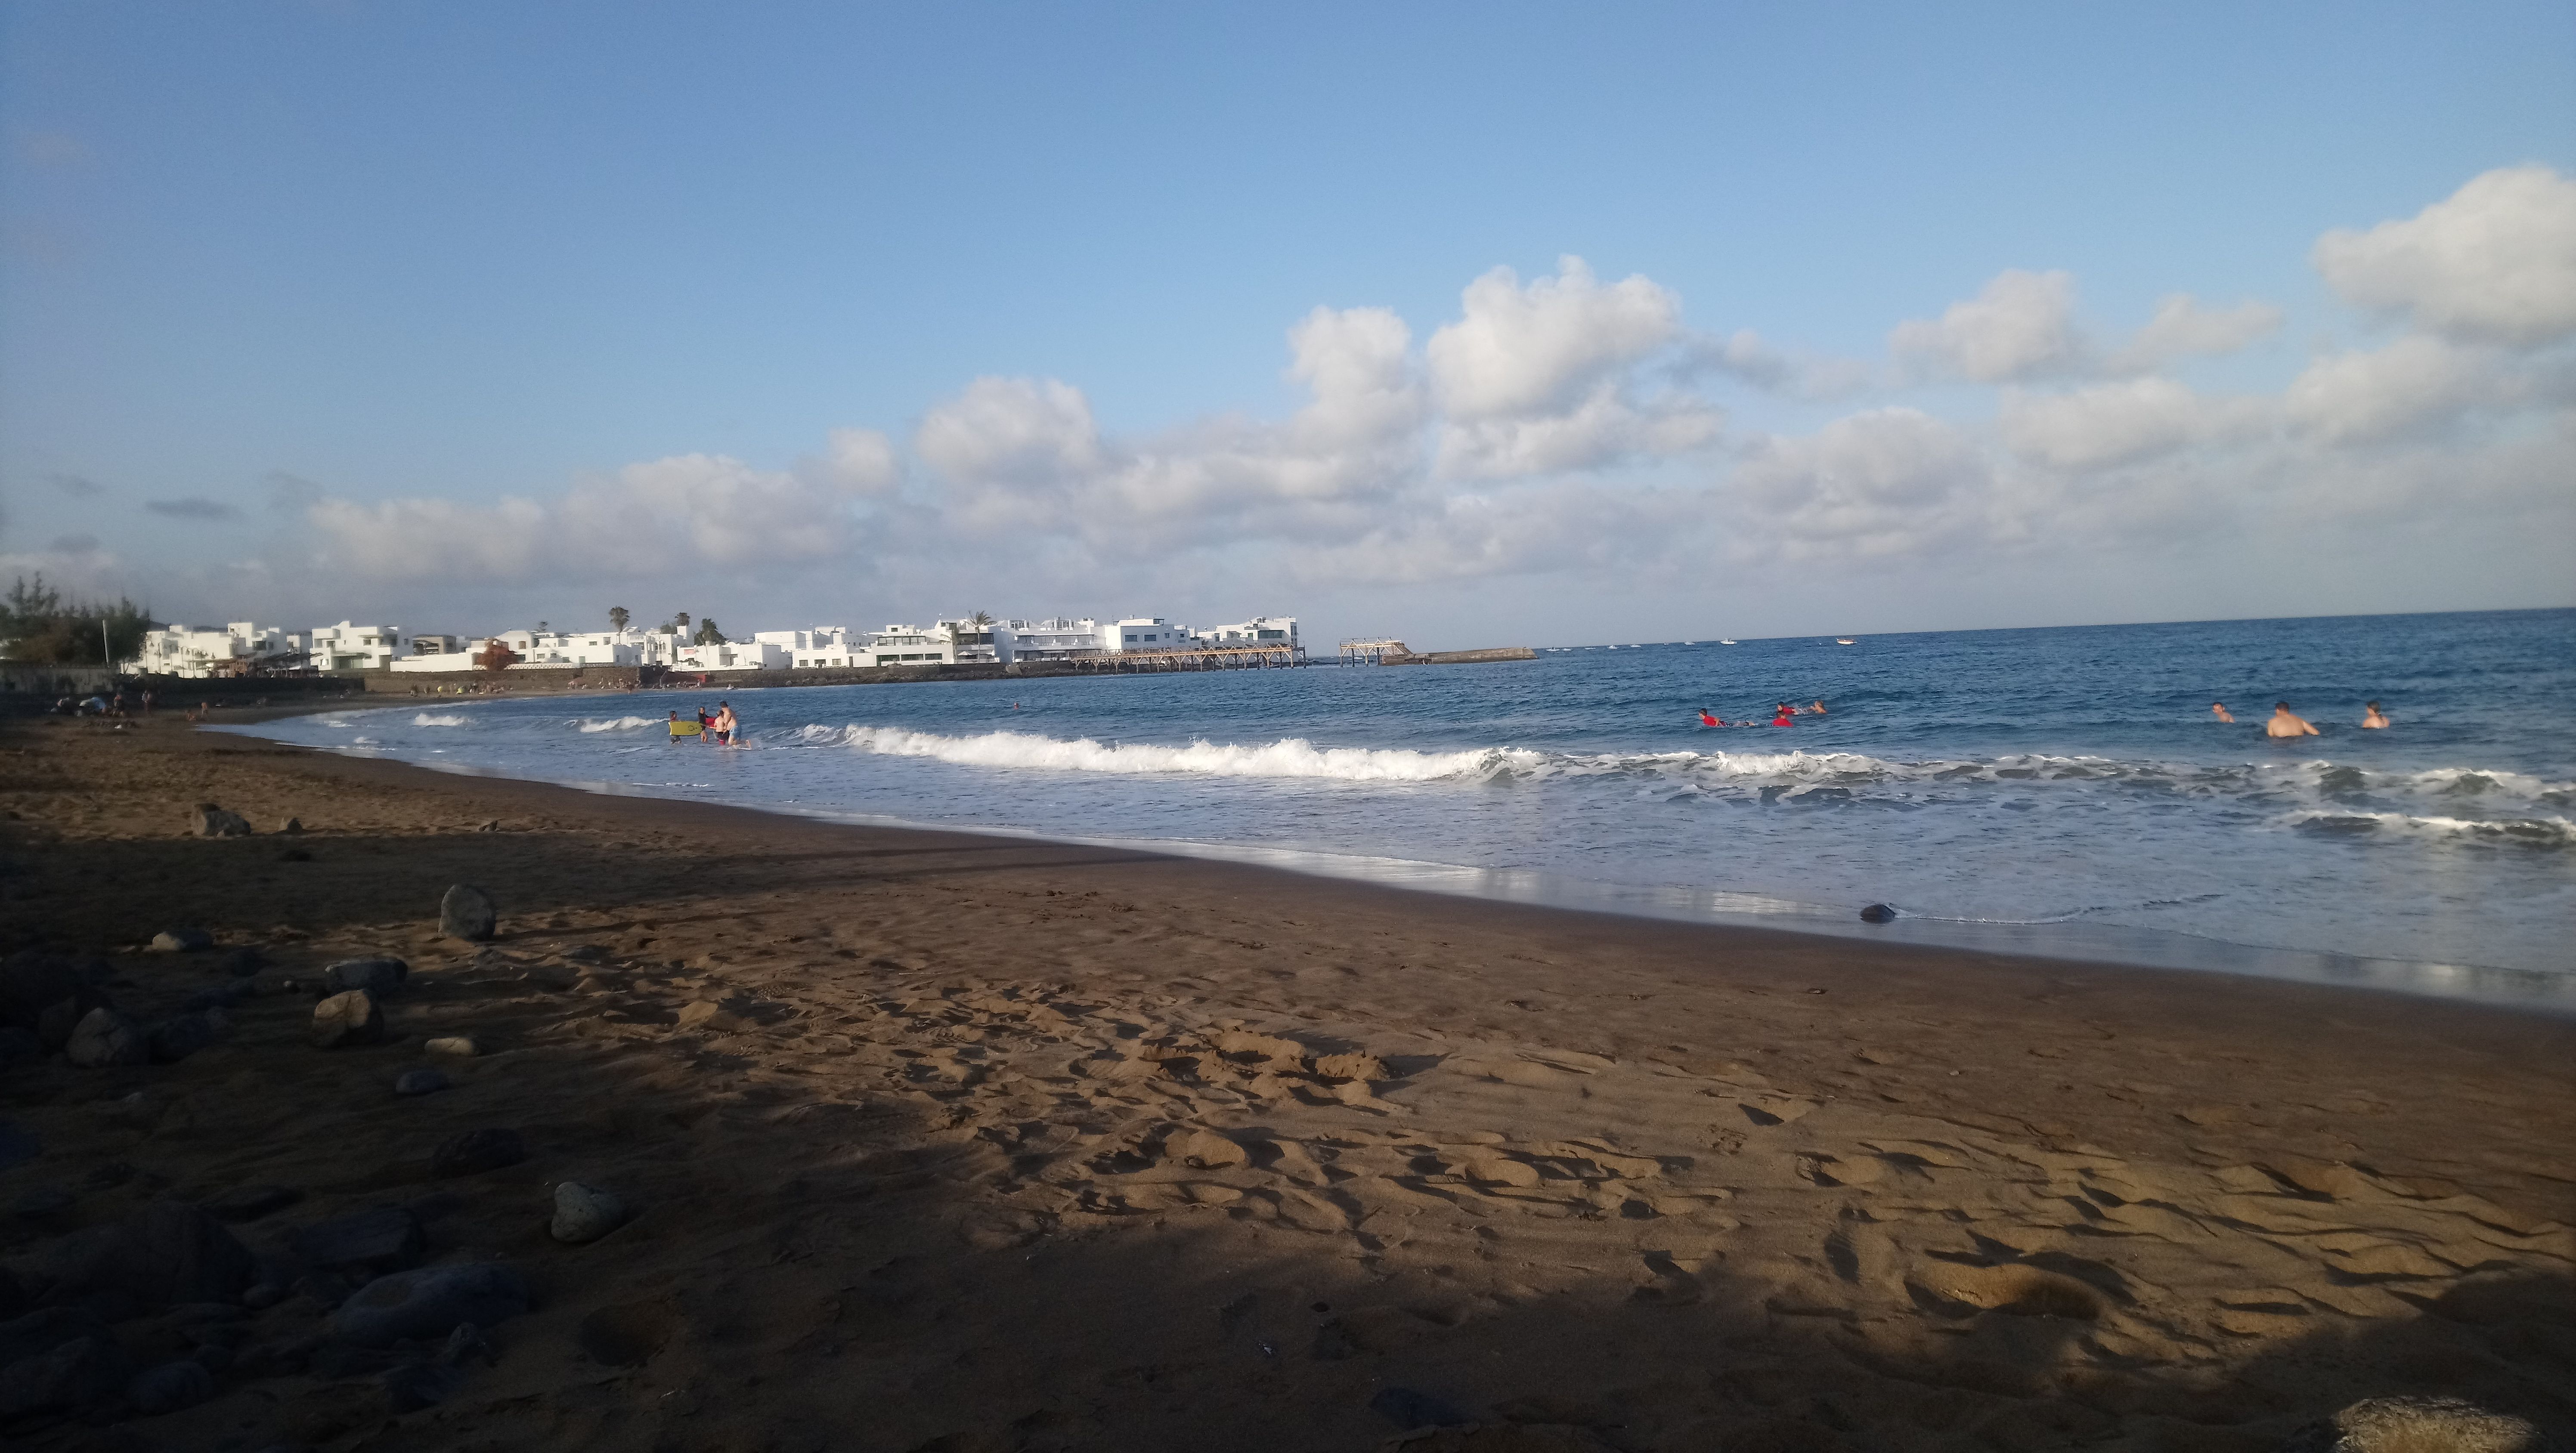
column 181, row 941
column 347, row 1019
column 583, row 1213
column 104, row 1038
column 430, row 1304
column 380, row 977
column 467, row 913
column 212, row 821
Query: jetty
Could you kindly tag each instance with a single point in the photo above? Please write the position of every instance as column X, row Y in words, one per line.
column 1386, row 651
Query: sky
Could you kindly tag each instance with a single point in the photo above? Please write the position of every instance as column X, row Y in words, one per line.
column 1474, row 325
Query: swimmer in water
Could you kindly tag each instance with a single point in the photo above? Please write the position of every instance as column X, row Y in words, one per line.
column 1784, row 715
column 2219, row 710
column 1707, row 720
column 2286, row 724
column 2374, row 718
column 1816, row 710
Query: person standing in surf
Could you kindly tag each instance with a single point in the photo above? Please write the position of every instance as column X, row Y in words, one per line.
column 2284, row 723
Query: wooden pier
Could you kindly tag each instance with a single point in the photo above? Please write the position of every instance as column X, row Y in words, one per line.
column 1195, row 658
column 1390, row 652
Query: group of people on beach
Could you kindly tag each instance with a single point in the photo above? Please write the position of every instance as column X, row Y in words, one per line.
column 719, row 726
column 1782, row 714
column 2287, row 723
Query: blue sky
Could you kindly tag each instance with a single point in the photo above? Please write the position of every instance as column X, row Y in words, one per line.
column 335, row 284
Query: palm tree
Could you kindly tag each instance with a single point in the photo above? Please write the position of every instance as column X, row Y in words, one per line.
column 980, row 618
column 680, row 623
column 617, row 618
column 707, row 634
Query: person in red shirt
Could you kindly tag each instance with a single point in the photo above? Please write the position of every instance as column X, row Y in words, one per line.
column 1784, row 715
column 1706, row 720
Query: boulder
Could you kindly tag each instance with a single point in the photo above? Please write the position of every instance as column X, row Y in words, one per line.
column 249, row 1203
column 1878, row 913
column 181, row 941
column 347, row 1019
column 387, row 1238
column 583, row 1213
column 430, row 1304
column 212, row 821
column 169, row 1387
column 166, row 1252
column 378, row 976
column 476, row 1151
column 467, row 913
column 421, row 1082
column 105, row 1039
column 2390, row 1423
column 182, row 1035
column 65, row 1378
column 454, row 1046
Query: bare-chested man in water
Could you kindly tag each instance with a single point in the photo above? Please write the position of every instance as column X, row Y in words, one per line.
column 2375, row 719
column 2286, row 724
column 2219, row 710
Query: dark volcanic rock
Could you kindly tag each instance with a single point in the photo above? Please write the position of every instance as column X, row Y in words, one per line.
column 347, row 1019
column 181, row 1035
column 378, row 976
column 431, row 1303
column 387, row 1238
column 169, row 1251
column 467, row 913
column 1878, row 913
column 212, row 821
column 475, row 1151
column 249, row 1203
column 104, row 1038
column 65, row 1378
column 421, row 1082
column 169, row 1387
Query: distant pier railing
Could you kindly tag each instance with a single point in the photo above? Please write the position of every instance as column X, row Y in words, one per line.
column 1391, row 652
column 1196, row 658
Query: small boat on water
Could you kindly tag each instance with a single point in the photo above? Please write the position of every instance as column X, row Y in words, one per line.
column 1844, row 641
column 1726, row 643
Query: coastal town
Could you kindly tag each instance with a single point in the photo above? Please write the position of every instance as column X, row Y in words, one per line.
column 246, row 648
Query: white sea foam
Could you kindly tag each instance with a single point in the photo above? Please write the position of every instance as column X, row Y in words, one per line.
column 448, row 719
column 2535, row 832
column 621, row 724
column 1288, row 757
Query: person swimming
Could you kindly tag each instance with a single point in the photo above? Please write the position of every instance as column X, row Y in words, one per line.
column 1708, row 720
column 2374, row 719
column 1816, row 710
column 2219, row 710
column 1784, row 715
column 2285, row 723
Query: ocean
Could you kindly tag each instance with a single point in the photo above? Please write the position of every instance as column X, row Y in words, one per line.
column 2061, row 791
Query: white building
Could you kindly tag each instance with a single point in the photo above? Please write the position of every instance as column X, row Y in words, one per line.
column 1258, row 631
column 752, row 655
column 1057, row 639
column 820, row 646
column 1148, row 633
column 913, row 646
column 177, row 650
column 348, row 647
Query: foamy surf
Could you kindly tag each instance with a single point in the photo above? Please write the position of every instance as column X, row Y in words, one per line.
column 443, row 719
column 621, row 724
column 1287, row 757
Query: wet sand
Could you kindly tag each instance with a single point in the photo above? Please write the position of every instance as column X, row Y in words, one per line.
column 960, row 1143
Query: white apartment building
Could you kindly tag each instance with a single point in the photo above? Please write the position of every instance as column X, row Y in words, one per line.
column 1147, row 633
column 348, row 647
column 1056, row 638
column 752, row 655
column 177, row 650
column 913, row 646
column 820, row 646
column 1258, row 631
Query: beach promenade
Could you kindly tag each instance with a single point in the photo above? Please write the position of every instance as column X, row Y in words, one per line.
column 941, row 1142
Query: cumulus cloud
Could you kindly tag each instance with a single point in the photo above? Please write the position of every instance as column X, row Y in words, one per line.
column 2021, row 326
column 2184, row 326
column 1540, row 377
column 193, row 507
column 1747, row 356
column 863, row 462
column 686, row 511
column 2120, row 423
column 2415, row 384
column 2493, row 262
column 1880, row 482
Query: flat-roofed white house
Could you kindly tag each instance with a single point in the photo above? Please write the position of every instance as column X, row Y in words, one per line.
column 1258, row 631
column 1147, row 633
column 751, row 655
column 192, row 651
column 821, row 646
column 899, row 645
column 350, row 647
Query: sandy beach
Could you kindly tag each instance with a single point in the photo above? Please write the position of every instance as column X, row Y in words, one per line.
column 941, row 1142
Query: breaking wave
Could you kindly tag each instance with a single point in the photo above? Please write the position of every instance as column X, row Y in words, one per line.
column 447, row 719
column 621, row 724
column 1289, row 757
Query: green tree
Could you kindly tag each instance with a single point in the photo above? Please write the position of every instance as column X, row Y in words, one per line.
column 618, row 617
column 40, row 623
column 980, row 618
column 680, row 623
column 707, row 634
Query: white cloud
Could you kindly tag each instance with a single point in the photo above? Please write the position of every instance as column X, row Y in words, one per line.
column 2412, row 385
column 2021, row 326
column 1747, row 355
column 2119, row 423
column 1539, row 379
column 2184, row 326
column 1881, row 482
column 2493, row 262
column 863, row 462
column 690, row 510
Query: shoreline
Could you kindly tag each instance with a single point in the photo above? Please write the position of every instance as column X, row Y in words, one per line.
column 2525, row 990
column 942, row 1139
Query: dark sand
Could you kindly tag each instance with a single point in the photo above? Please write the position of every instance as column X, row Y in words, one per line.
column 956, row 1143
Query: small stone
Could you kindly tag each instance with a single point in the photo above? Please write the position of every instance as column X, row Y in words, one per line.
column 181, row 1035
column 347, row 1019
column 456, row 1046
column 380, row 976
column 1878, row 913
column 698, row 1012
column 249, row 1203
column 212, row 821
column 181, row 941
column 388, row 1238
column 467, row 913
column 292, row 824
column 170, row 1387
column 583, row 1213
column 421, row 1082
column 476, row 1151
column 429, row 1304
column 104, row 1038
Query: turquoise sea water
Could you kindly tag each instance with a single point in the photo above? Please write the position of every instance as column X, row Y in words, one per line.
column 2063, row 791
